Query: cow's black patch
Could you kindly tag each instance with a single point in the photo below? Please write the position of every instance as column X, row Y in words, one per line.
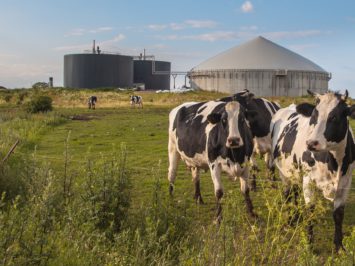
column 295, row 162
column 276, row 152
column 349, row 156
column 322, row 156
column 190, row 130
column 337, row 123
column 271, row 106
column 201, row 109
column 307, row 158
column 289, row 135
column 327, row 158
column 276, row 107
column 305, row 109
column 314, row 117
column 292, row 116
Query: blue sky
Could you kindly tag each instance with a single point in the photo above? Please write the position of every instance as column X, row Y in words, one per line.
column 35, row 35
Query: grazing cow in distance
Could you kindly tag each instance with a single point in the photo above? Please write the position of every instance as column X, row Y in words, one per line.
column 259, row 122
column 314, row 144
column 211, row 135
column 92, row 102
column 136, row 99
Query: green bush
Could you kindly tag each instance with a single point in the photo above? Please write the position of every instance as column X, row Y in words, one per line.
column 39, row 104
column 7, row 98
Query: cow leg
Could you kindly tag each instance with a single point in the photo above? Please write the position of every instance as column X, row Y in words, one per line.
column 270, row 169
column 254, row 170
column 308, row 196
column 196, row 179
column 338, row 216
column 310, row 223
column 289, row 193
column 216, row 170
column 173, row 164
column 338, row 213
column 245, row 190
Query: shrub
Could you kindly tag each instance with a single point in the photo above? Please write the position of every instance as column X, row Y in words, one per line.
column 39, row 104
column 7, row 98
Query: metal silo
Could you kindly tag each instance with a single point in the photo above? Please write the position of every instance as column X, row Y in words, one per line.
column 262, row 67
column 154, row 74
column 98, row 70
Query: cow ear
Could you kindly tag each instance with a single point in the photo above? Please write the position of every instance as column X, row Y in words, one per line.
column 305, row 109
column 251, row 114
column 351, row 111
column 345, row 95
column 311, row 93
column 214, row 118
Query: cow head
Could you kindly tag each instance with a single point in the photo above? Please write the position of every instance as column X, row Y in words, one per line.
column 231, row 120
column 328, row 120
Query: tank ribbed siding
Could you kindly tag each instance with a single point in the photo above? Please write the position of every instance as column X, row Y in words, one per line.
column 98, row 70
column 261, row 66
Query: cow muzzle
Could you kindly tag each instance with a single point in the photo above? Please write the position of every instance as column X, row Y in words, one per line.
column 234, row 142
column 313, row 145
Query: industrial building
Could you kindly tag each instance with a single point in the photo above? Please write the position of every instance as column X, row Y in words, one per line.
column 101, row 69
column 262, row 67
column 98, row 70
column 154, row 74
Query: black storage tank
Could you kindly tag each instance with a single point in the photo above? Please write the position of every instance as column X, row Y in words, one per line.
column 154, row 74
column 98, row 70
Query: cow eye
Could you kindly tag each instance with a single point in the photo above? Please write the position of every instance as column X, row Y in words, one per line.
column 224, row 121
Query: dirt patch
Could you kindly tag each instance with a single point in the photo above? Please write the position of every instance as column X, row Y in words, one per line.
column 82, row 117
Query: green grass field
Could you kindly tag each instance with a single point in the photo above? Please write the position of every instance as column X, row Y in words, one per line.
column 155, row 229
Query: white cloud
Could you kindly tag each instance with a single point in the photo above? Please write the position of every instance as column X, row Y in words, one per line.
column 4, row 56
column 101, row 29
column 210, row 37
column 157, row 27
column 75, row 32
column 249, row 28
column 302, row 47
column 246, row 33
column 190, row 23
column 82, row 31
column 25, row 74
column 78, row 47
column 82, row 47
column 293, row 34
column 247, row 7
column 206, row 24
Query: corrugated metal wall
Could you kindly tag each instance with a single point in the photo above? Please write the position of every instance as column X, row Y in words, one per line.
column 97, row 70
column 261, row 82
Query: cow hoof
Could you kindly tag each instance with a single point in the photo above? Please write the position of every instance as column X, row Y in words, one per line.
column 199, row 200
column 218, row 220
column 253, row 215
column 171, row 189
column 339, row 248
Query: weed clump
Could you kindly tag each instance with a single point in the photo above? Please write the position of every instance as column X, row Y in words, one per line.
column 40, row 104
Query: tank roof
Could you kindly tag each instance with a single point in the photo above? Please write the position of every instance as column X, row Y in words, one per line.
column 259, row 53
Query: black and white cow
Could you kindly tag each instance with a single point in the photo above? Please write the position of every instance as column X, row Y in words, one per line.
column 315, row 145
column 136, row 99
column 92, row 102
column 211, row 135
column 263, row 111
